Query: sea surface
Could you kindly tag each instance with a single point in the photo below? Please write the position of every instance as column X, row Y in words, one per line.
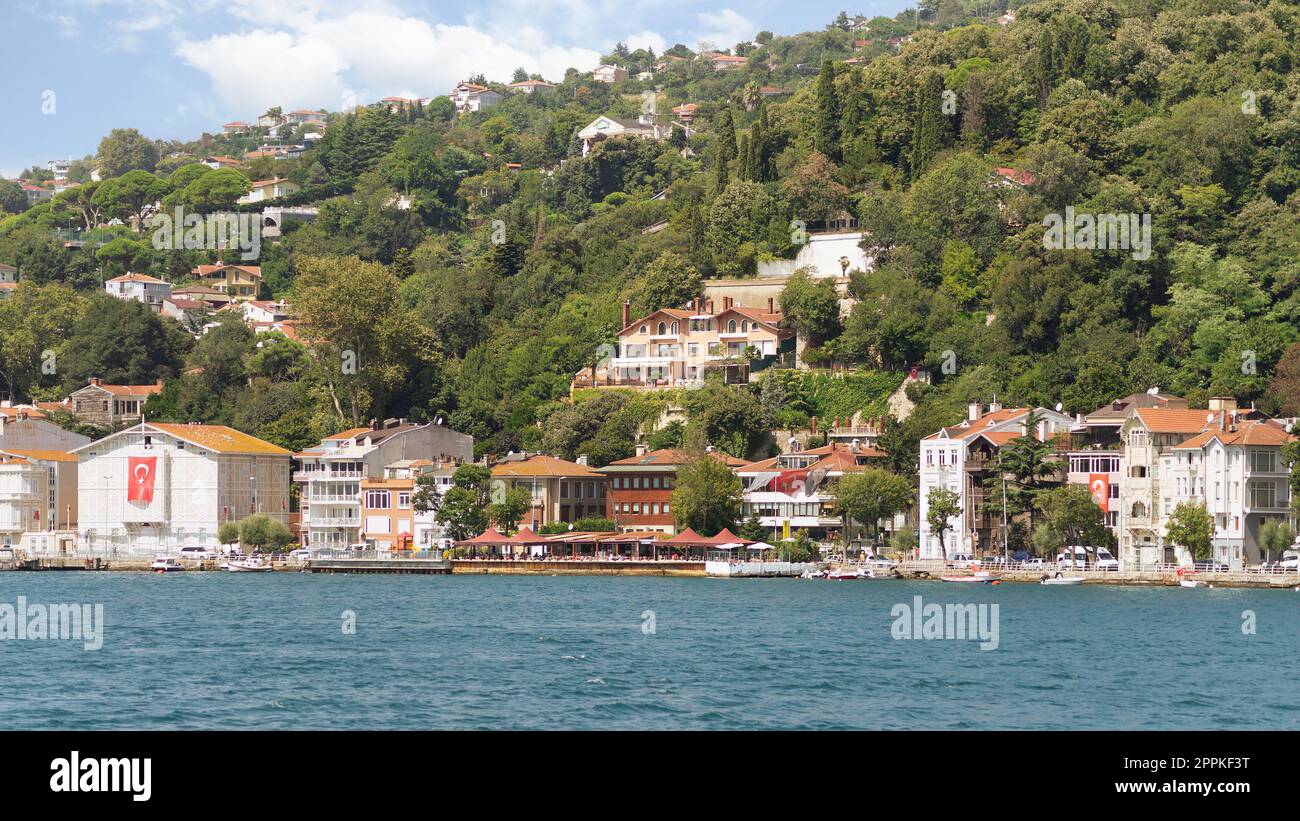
column 218, row 650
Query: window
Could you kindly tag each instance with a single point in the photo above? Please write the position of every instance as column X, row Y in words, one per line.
column 1263, row 461
column 666, row 510
column 1137, row 438
column 1139, row 510
column 404, row 499
column 744, row 326
column 1262, row 494
column 675, row 331
column 663, row 329
column 731, row 327
column 693, row 350
column 377, row 499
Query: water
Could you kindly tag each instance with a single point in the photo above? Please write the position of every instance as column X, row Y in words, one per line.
column 216, row 650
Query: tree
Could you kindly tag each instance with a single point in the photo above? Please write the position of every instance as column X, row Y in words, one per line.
column 724, row 416
column 813, row 191
column 261, row 532
column 464, row 507
column 126, row 149
column 228, row 532
column 707, row 495
column 942, row 506
column 752, row 529
column 32, row 321
column 1192, row 527
column 365, row 343
column 870, row 496
column 12, row 198
column 811, row 306
column 123, row 343
column 1030, row 464
column 826, row 134
column 426, row 498
column 505, row 514
column 1072, row 517
column 1276, row 536
column 130, row 197
column 669, row 281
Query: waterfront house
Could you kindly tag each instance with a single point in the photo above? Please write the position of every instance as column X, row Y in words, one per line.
column 470, row 97
column 641, row 488
column 109, row 406
column 330, row 475
column 141, row 288
column 38, row 491
column 1228, row 460
column 961, row 457
column 673, row 348
column 561, row 491
column 795, row 490
column 155, row 488
column 388, row 515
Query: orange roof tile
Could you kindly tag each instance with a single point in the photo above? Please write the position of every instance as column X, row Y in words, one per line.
column 542, row 465
column 1173, row 420
column 220, row 438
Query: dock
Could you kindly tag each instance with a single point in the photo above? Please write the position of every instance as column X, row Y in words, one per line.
column 420, row 565
column 1165, row 576
column 577, row 567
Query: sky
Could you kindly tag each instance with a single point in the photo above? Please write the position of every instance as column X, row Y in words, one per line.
column 75, row 69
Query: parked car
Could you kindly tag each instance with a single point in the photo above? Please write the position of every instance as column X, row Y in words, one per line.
column 198, row 553
column 1290, row 561
column 1072, row 557
column 1036, row 563
column 302, row 554
column 960, row 559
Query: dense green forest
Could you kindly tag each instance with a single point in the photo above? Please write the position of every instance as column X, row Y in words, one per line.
column 480, row 301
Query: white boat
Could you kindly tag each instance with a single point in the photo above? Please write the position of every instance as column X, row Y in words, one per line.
column 1059, row 579
column 851, row 573
column 978, row 577
column 249, row 565
column 166, row 564
column 1193, row 583
column 813, row 574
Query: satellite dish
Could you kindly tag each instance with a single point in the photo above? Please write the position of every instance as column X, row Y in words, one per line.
column 1209, row 417
column 1058, row 407
column 1154, row 391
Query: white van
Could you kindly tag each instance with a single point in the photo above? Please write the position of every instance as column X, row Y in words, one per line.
column 1072, row 557
column 1105, row 561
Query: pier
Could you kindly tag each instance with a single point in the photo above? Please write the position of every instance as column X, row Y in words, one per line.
column 373, row 561
column 578, row 567
column 1161, row 576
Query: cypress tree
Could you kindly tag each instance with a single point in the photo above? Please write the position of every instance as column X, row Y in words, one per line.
column 827, row 135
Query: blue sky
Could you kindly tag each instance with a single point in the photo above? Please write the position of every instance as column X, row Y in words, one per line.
column 75, row 69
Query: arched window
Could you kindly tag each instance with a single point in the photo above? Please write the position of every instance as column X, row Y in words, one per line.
column 675, row 328
column 643, row 330
column 1139, row 510
column 731, row 327
column 663, row 329
column 744, row 326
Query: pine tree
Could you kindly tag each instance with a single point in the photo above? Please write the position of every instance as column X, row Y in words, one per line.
column 743, row 169
column 720, row 174
column 727, row 134
column 931, row 124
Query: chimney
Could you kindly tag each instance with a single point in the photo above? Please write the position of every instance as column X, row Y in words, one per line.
column 583, row 459
column 94, row 380
column 1223, row 403
column 390, row 423
column 627, row 312
column 695, row 305
column 995, row 406
column 770, row 309
column 812, row 425
column 973, row 411
column 640, row 449
column 708, row 306
column 374, row 424
column 726, row 303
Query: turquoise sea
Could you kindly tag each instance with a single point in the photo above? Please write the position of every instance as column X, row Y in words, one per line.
column 217, row 650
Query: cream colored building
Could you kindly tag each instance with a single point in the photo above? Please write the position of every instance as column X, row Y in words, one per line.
column 154, row 488
column 673, row 348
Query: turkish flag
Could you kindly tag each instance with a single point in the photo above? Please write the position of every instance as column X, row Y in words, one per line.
column 1099, row 484
column 790, row 481
column 139, row 487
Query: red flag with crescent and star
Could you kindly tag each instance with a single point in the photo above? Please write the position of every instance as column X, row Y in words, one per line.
column 139, row 487
column 1099, row 484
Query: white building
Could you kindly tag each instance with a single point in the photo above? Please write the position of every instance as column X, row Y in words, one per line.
column 603, row 128
column 272, row 189
column 824, row 255
column 608, row 73
column 141, row 288
column 469, row 97
column 154, row 488
column 330, row 474
column 959, row 457
column 1216, row 457
column 38, row 477
column 794, row 490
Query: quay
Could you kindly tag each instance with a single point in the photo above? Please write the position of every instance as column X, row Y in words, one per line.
column 420, row 562
column 578, row 567
column 1161, row 576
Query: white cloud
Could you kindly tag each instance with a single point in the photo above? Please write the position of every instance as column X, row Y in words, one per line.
column 647, row 39
column 725, row 28
column 367, row 54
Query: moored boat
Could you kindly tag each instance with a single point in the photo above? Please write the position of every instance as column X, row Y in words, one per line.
column 1059, row 579
column 978, row 577
column 166, row 564
column 249, row 565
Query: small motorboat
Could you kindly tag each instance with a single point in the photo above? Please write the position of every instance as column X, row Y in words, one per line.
column 851, row 573
column 978, row 577
column 166, row 564
column 813, row 574
column 1193, row 583
column 1059, row 579
column 249, row 565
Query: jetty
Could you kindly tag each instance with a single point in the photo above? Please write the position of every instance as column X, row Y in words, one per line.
column 420, row 562
column 1155, row 576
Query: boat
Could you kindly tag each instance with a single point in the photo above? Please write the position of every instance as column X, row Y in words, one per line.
column 978, row 577
column 1059, row 579
column 1185, row 579
column 851, row 573
column 166, row 564
column 249, row 565
column 813, row 574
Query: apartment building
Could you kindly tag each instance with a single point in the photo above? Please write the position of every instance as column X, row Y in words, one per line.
column 155, row 488
column 1217, row 457
column 561, row 491
column 961, row 457
column 673, row 348
column 641, row 488
column 330, row 475
column 389, row 518
column 794, row 490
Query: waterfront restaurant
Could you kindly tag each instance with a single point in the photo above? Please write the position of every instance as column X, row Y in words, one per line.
column 691, row 543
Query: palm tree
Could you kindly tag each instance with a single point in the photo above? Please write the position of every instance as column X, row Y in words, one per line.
column 1031, row 465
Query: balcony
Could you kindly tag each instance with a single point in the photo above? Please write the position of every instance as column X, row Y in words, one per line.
column 327, row 475
column 331, row 521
